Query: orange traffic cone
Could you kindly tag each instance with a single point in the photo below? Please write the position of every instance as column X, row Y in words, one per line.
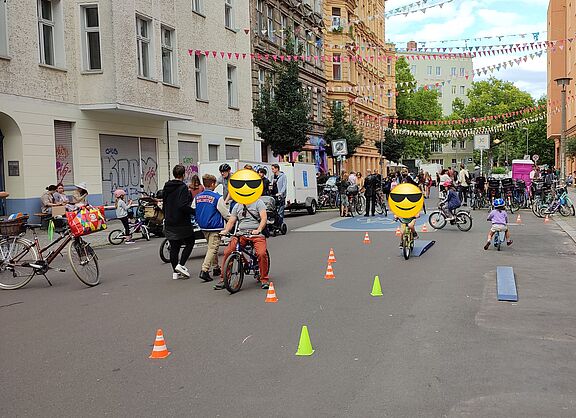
column 331, row 257
column 424, row 228
column 329, row 273
column 398, row 232
column 546, row 219
column 366, row 238
column 271, row 295
column 518, row 219
column 159, row 350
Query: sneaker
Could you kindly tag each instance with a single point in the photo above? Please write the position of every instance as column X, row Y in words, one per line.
column 400, row 245
column 129, row 242
column 204, row 275
column 219, row 286
column 175, row 276
column 487, row 245
column 182, row 269
column 265, row 284
column 509, row 243
column 217, row 272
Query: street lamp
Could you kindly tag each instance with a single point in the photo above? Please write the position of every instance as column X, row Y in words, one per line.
column 526, row 129
column 563, row 82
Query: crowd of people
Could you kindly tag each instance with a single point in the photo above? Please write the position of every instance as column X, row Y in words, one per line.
column 55, row 196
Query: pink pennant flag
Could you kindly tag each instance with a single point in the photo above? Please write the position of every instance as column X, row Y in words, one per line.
column 222, row 54
column 244, row 56
column 214, row 53
column 207, row 53
column 237, row 55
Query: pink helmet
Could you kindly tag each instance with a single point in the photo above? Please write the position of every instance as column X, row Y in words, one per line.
column 447, row 184
column 119, row 193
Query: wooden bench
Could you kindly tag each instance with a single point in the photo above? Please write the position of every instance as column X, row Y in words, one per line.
column 44, row 219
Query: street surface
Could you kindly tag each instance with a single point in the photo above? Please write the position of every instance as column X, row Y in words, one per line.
column 437, row 344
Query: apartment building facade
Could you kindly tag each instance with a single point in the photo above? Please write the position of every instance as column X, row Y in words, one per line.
column 271, row 22
column 363, row 86
column 105, row 92
column 561, row 63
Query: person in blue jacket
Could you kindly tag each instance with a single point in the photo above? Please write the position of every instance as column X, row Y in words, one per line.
column 211, row 216
column 451, row 202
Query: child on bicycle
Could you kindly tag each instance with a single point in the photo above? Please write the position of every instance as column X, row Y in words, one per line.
column 409, row 223
column 499, row 218
column 122, row 213
column 451, row 202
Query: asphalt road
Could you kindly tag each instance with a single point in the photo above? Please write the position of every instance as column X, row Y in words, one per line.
column 437, row 344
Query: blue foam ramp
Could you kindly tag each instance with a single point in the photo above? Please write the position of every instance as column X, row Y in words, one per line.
column 506, row 284
column 421, row 246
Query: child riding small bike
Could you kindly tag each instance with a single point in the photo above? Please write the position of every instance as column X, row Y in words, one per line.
column 499, row 218
column 408, row 223
column 451, row 202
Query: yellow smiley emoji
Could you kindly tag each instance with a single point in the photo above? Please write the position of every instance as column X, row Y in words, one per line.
column 245, row 186
column 406, row 200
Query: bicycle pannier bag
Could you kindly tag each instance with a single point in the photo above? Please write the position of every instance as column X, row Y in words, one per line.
column 87, row 220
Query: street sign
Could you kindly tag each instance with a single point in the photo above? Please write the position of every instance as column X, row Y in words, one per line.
column 470, row 160
column 535, row 157
column 526, row 157
column 482, row 142
column 339, row 147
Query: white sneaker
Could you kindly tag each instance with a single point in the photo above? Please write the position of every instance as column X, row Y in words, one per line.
column 175, row 276
column 183, row 270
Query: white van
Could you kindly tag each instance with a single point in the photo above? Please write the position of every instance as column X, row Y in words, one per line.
column 301, row 191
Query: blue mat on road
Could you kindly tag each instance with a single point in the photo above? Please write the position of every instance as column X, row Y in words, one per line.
column 421, row 246
column 371, row 223
column 506, row 284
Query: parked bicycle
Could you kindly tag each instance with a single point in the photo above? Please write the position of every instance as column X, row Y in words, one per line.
column 462, row 219
column 117, row 236
column 21, row 259
column 241, row 261
column 380, row 204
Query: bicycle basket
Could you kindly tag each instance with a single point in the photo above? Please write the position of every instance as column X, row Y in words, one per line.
column 13, row 227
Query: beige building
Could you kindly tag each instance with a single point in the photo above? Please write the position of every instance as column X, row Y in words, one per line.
column 105, row 92
column 365, row 87
column 561, row 63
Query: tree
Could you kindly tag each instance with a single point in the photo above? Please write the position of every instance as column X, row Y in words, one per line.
column 392, row 148
column 283, row 118
column 340, row 127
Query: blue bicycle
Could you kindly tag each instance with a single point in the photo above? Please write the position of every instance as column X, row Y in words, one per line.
column 241, row 261
column 498, row 239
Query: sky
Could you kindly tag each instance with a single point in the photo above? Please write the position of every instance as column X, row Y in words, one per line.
column 468, row 19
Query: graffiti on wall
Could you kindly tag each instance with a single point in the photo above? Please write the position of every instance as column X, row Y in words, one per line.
column 191, row 168
column 64, row 171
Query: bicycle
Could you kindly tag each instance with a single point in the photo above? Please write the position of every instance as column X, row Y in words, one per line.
column 462, row 220
column 117, row 237
column 380, row 204
column 241, row 261
column 497, row 239
column 357, row 203
column 22, row 259
column 407, row 240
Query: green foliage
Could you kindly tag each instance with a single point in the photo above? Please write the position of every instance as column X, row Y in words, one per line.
column 283, row 118
column 499, row 170
column 340, row 127
column 571, row 147
column 392, row 147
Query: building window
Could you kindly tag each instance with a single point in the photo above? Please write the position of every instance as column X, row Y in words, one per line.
column 64, row 155
column 319, row 105
column 260, row 16
column 336, row 68
column 453, row 71
column 438, row 71
column 429, row 70
column 389, row 95
column 453, row 144
column 462, row 144
column 168, row 56
column 437, row 161
column 337, row 104
column 454, row 162
column 232, row 87
column 283, row 29
column 232, row 152
column 462, row 90
column 271, row 23
column 389, row 66
column 261, row 81
column 91, row 38
column 229, row 14
column 310, row 102
column 201, row 77
column 435, row 146
column 335, row 18
column 453, row 89
column 318, row 46
column 51, row 32
column 188, row 157
column 212, row 152
column 198, row 6
column 3, row 30
column 143, row 28
column 462, row 71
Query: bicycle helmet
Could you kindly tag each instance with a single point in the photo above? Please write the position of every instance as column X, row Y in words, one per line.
column 224, row 168
column 119, row 193
column 447, row 184
column 498, row 203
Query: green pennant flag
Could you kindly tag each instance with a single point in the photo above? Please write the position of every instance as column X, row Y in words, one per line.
column 50, row 229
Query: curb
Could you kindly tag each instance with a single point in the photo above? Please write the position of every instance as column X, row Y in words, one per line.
column 567, row 228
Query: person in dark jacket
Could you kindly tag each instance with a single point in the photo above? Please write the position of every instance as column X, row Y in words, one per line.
column 178, row 227
column 267, row 189
column 371, row 187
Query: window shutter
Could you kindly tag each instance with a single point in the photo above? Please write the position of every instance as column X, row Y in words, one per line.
column 64, row 156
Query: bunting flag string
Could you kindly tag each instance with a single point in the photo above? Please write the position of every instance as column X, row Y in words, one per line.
column 419, row 6
column 535, row 36
column 463, row 133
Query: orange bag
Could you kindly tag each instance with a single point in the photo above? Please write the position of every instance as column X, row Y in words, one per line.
column 86, row 220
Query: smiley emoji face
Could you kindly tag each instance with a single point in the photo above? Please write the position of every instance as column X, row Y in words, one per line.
column 406, row 200
column 245, row 186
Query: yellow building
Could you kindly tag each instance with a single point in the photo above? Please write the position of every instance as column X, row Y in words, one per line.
column 361, row 76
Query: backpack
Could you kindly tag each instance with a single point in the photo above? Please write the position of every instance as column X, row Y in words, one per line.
column 265, row 231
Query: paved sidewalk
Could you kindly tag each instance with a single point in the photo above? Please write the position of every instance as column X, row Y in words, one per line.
column 568, row 224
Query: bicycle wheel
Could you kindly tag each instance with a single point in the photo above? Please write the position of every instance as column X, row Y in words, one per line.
column 437, row 220
column 145, row 232
column 463, row 221
column 116, row 237
column 509, row 204
column 360, row 204
column 165, row 251
column 15, row 254
column 233, row 272
column 84, row 262
column 565, row 210
column 378, row 206
column 406, row 246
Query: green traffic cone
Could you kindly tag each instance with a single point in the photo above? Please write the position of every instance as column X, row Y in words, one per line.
column 304, row 346
column 376, row 288
column 50, row 230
